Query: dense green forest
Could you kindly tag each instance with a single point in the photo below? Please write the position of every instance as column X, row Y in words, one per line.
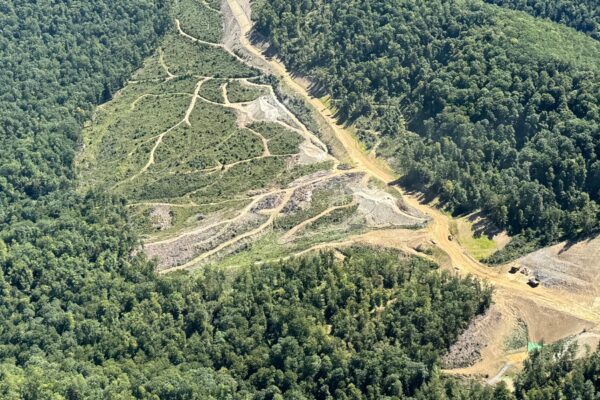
column 583, row 15
column 83, row 317
column 504, row 107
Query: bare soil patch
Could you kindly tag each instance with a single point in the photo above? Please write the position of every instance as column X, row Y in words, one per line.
column 381, row 209
column 572, row 267
column 469, row 346
column 161, row 217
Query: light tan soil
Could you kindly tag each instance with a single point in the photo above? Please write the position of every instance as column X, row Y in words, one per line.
column 471, row 343
column 573, row 267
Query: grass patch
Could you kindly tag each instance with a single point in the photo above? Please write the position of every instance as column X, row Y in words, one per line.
column 326, row 234
column 199, row 21
column 184, row 57
column 479, row 247
column 237, row 92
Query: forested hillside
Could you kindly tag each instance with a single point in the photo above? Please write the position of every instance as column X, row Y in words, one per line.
column 83, row 317
column 582, row 15
column 504, row 106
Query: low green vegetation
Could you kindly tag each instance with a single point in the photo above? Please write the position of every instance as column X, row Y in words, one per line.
column 282, row 140
column 182, row 217
column 519, row 338
column 180, row 158
column 155, row 143
column 267, row 248
column 478, row 245
column 482, row 107
column 368, row 139
column 215, row 5
column 519, row 245
column 212, row 90
column 556, row 42
column 335, row 217
column 152, row 69
column 240, row 93
column 199, row 20
column 187, row 58
column 205, row 187
column 211, row 139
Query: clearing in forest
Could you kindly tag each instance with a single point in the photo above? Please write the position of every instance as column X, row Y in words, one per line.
column 203, row 145
column 211, row 160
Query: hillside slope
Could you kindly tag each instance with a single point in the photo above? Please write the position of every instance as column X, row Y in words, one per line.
column 213, row 162
column 503, row 106
column 582, row 15
column 83, row 313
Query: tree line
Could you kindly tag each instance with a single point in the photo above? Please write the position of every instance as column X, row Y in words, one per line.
column 83, row 316
column 480, row 106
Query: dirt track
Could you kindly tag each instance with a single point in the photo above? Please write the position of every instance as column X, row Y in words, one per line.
column 439, row 226
column 215, row 239
column 552, row 313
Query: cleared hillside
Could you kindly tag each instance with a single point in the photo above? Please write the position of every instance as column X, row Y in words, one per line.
column 212, row 162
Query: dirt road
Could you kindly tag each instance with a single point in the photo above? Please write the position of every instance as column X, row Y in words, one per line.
column 439, row 228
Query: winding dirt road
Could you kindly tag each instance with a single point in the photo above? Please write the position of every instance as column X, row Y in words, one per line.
column 439, row 227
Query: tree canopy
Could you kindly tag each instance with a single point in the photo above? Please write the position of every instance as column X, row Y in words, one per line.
column 485, row 107
column 582, row 15
column 84, row 316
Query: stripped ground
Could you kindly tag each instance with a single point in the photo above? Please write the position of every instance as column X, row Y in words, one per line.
column 290, row 183
column 481, row 336
column 186, row 250
column 570, row 266
column 551, row 313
